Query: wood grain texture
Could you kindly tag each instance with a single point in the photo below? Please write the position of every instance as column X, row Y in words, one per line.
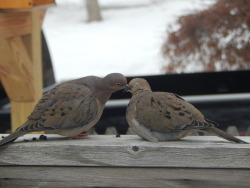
column 20, row 112
column 14, row 24
column 36, row 53
column 21, row 61
column 21, row 109
column 20, row 71
column 16, row 70
column 23, row 4
column 37, row 176
column 128, row 151
column 126, row 161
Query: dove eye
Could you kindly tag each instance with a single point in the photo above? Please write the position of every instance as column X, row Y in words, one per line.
column 136, row 84
column 118, row 84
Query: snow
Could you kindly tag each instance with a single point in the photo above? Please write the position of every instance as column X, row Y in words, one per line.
column 128, row 40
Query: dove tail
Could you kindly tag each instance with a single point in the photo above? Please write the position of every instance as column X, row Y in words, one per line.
column 11, row 138
column 224, row 135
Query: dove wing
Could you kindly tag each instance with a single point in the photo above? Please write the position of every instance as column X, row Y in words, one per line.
column 66, row 106
column 164, row 112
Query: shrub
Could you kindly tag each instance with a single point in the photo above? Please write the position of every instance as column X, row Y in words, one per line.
column 217, row 38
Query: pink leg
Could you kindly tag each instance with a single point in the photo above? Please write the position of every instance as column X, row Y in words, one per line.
column 80, row 136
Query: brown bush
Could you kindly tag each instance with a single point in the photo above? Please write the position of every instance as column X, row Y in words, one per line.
column 214, row 39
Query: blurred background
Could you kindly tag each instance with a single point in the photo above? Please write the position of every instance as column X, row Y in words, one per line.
column 199, row 49
column 127, row 37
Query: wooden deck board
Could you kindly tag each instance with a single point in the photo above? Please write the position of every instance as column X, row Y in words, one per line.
column 122, row 177
column 126, row 161
column 108, row 150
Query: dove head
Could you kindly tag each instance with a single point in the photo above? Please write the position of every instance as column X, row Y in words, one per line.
column 138, row 85
column 114, row 82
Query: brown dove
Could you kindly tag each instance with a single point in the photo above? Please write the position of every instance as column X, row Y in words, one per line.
column 163, row 116
column 70, row 108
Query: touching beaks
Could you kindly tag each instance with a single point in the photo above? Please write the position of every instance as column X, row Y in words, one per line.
column 127, row 88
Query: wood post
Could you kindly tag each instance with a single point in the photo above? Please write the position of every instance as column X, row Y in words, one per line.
column 20, row 61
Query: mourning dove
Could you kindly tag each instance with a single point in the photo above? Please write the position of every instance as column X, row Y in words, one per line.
column 70, row 108
column 162, row 116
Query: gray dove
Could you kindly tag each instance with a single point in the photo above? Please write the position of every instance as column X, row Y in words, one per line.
column 163, row 116
column 70, row 108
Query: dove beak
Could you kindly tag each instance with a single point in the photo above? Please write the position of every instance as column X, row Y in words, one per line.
column 127, row 88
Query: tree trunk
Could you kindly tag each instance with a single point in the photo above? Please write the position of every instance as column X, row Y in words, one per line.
column 93, row 9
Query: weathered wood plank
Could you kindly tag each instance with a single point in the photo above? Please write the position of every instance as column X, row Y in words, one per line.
column 128, row 151
column 122, row 177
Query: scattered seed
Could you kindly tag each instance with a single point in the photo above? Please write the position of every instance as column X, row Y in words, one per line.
column 43, row 137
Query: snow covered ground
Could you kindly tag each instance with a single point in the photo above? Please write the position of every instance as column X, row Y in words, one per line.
column 128, row 40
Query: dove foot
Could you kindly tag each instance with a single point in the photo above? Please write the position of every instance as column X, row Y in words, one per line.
column 80, row 136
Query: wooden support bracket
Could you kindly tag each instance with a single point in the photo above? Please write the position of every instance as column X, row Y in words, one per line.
column 20, row 61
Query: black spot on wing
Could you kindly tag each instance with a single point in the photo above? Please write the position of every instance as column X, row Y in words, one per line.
column 168, row 117
column 186, row 111
column 167, row 112
column 152, row 100
column 63, row 114
column 160, row 104
column 181, row 114
column 175, row 108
